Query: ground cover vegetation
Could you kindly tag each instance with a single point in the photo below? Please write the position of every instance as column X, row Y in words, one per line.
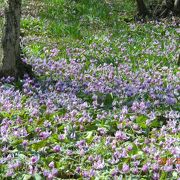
column 104, row 100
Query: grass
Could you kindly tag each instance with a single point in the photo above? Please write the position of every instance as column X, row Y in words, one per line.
column 64, row 22
column 78, row 18
column 81, row 23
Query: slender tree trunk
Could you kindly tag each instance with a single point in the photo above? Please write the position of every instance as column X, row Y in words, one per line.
column 142, row 9
column 10, row 61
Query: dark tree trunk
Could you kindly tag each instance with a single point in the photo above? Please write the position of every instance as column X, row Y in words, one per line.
column 160, row 9
column 10, row 61
column 177, row 7
column 142, row 9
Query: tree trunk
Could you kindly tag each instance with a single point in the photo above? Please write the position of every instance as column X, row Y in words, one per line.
column 10, row 60
column 142, row 9
column 177, row 6
column 158, row 8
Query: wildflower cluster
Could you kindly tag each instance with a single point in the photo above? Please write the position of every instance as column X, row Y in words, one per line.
column 83, row 118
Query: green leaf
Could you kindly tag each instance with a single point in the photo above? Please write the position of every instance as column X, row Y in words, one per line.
column 163, row 175
column 155, row 124
column 108, row 99
column 38, row 145
column 141, row 121
column 22, row 156
column 27, row 177
column 175, row 174
column 53, row 138
column 37, row 177
column 89, row 136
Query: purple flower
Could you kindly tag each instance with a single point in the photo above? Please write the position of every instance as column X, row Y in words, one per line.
column 142, row 106
column 61, row 137
column 51, row 164
column 135, row 106
column 92, row 173
column 80, row 144
column 121, row 135
column 10, row 173
column 46, row 173
column 102, row 131
column 32, row 169
column 99, row 164
column 34, row 159
column 170, row 100
column 115, row 172
column 85, row 174
column 90, row 158
column 57, row 148
column 82, row 152
column 155, row 167
column 25, row 143
column 69, row 152
column 145, row 168
column 125, row 168
column 54, row 52
column 168, row 168
column 50, row 176
column 54, row 172
column 129, row 148
column 135, row 170
column 17, row 165
column 78, row 169
column 44, row 135
column 156, row 176
column 135, row 127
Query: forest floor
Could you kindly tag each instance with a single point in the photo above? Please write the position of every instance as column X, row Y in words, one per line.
column 105, row 100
